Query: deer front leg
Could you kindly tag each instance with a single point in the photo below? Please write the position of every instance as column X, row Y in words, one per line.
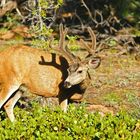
column 10, row 105
column 63, row 102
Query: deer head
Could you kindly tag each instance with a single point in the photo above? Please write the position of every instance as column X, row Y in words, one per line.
column 78, row 69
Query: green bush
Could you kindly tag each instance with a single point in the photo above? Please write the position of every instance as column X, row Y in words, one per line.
column 47, row 124
column 129, row 10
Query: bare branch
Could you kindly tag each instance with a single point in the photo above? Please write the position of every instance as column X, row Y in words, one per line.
column 90, row 15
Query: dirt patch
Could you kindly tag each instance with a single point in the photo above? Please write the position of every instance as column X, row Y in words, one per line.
column 116, row 83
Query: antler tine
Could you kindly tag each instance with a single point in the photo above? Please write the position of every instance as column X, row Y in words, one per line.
column 62, row 36
column 74, row 58
column 61, row 43
column 86, row 46
column 93, row 38
column 64, row 49
column 91, row 49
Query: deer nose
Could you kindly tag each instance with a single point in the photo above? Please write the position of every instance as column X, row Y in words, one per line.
column 67, row 84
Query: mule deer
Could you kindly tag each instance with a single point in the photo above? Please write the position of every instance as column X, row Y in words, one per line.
column 44, row 73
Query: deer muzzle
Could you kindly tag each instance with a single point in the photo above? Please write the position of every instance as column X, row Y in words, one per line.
column 67, row 84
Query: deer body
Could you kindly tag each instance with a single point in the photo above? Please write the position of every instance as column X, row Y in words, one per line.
column 43, row 73
column 22, row 65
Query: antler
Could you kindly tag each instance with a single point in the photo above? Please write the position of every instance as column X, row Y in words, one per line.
column 62, row 48
column 92, row 49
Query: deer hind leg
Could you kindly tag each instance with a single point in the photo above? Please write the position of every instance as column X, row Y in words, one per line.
column 76, row 97
column 10, row 105
column 6, row 92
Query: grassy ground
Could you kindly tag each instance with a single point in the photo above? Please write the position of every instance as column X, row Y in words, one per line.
column 116, row 83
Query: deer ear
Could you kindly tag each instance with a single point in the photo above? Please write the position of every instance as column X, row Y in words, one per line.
column 94, row 62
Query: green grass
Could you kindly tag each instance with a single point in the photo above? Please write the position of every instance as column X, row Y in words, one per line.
column 112, row 98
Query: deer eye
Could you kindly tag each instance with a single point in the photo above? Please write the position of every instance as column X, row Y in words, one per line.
column 80, row 71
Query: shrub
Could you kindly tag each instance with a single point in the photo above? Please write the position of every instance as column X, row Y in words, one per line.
column 44, row 123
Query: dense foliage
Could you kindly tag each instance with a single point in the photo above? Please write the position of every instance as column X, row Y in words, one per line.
column 45, row 123
column 128, row 9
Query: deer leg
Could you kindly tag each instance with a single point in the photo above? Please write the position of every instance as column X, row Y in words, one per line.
column 10, row 105
column 76, row 97
column 6, row 92
column 63, row 101
column 63, row 104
